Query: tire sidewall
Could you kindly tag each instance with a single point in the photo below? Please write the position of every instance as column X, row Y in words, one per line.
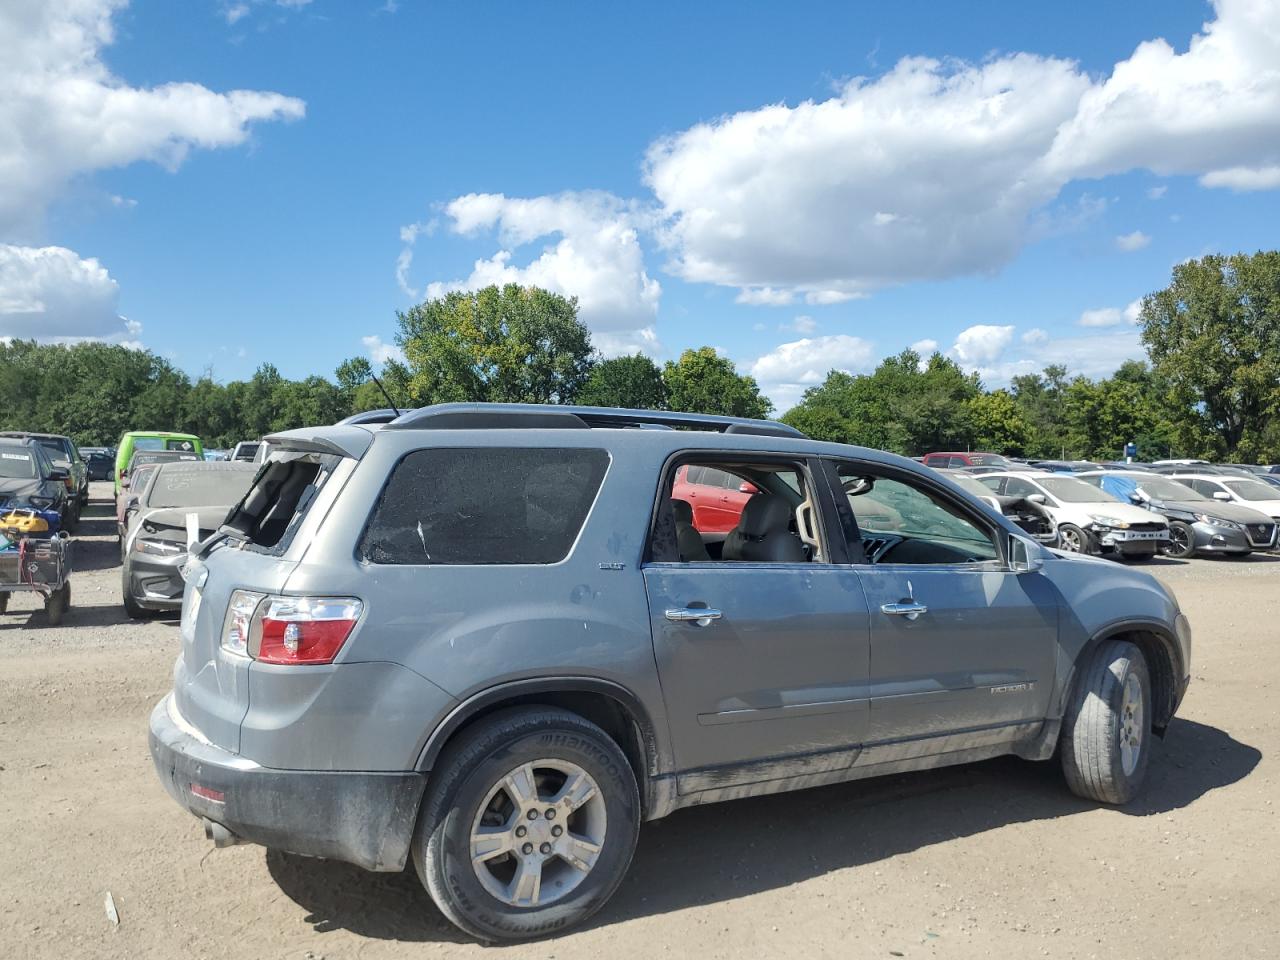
column 443, row 851
column 1132, row 662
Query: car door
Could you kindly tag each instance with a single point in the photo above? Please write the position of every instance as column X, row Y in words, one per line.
column 963, row 649
column 770, row 683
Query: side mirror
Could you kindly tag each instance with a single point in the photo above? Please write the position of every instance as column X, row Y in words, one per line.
column 59, row 473
column 1222, row 495
column 1039, row 498
column 748, row 487
column 1137, row 498
column 1024, row 556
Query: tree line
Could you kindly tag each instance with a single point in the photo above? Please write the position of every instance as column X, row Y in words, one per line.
column 1210, row 386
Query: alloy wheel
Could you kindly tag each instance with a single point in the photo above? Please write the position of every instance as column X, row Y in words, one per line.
column 1132, row 724
column 538, row 833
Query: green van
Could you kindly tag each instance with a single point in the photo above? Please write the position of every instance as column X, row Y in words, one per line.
column 136, row 440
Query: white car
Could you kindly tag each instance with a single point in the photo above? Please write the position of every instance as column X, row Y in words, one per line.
column 1235, row 489
column 1089, row 520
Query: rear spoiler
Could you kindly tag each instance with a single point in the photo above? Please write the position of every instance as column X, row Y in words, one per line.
column 340, row 440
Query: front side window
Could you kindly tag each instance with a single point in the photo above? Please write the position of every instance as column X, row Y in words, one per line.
column 1017, row 487
column 484, row 506
column 901, row 521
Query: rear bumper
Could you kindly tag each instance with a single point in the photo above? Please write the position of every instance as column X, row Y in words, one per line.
column 362, row 818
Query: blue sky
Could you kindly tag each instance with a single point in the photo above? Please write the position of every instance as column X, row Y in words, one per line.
column 1005, row 193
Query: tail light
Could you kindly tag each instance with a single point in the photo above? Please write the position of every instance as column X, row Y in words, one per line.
column 285, row 630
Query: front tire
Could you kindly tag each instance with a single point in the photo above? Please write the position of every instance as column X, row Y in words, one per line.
column 133, row 609
column 1075, row 540
column 1106, row 734
column 1182, row 540
column 529, row 824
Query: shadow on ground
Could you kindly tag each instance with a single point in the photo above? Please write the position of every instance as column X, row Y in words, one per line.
column 725, row 851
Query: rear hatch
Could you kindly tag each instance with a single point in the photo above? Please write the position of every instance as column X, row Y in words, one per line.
column 258, row 546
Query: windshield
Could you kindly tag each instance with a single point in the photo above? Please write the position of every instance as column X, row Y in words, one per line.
column 1169, row 490
column 202, row 488
column 1251, row 490
column 988, row 460
column 1071, row 490
column 17, row 466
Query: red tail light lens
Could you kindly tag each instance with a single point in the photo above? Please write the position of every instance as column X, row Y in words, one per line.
column 304, row 629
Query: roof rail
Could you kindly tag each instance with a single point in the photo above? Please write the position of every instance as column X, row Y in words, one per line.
column 481, row 416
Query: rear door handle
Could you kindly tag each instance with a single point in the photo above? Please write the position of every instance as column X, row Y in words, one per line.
column 702, row 616
column 904, row 608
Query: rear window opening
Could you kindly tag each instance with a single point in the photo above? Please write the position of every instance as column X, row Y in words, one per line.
column 276, row 504
column 484, row 506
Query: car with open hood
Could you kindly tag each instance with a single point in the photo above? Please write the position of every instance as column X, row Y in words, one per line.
column 155, row 544
column 29, row 480
column 1089, row 520
column 62, row 452
column 487, row 640
column 1198, row 524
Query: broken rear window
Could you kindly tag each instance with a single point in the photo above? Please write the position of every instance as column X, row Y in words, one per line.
column 484, row 506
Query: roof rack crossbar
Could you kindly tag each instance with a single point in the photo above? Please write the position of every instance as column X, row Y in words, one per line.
column 479, row 416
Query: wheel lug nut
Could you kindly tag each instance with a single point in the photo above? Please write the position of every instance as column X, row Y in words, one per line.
column 545, row 848
column 557, row 830
column 527, row 849
column 533, row 814
column 551, row 814
column 521, row 830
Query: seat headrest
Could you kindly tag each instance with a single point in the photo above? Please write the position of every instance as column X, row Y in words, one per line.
column 764, row 514
column 682, row 510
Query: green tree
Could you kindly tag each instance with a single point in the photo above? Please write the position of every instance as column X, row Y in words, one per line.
column 512, row 344
column 997, row 423
column 702, row 381
column 632, row 381
column 1039, row 400
column 1214, row 335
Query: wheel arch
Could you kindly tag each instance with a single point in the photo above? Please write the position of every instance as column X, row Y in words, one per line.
column 609, row 705
column 1160, row 648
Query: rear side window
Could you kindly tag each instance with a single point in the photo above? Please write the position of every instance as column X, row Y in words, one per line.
column 484, row 506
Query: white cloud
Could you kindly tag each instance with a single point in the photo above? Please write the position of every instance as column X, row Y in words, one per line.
column 1129, row 242
column 592, row 252
column 380, row 352
column 64, row 114
column 1094, row 355
column 764, row 297
column 801, row 324
column 643, row 341
column 788, row 197
column 981, row 344
column 48, row 293
column 1111, row 316
column 1157, row 193
column 1212, row 108
column 1243, row 179
column 784, row 372
column 926, row 348
column 1034, row 336
column 235, row 12
column 939, row 169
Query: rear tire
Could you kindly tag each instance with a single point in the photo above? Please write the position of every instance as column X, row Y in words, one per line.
column 474, row 791
column 1106, row 734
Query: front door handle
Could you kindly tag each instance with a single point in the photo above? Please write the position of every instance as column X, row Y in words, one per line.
column 904, row 608
column 702, row 616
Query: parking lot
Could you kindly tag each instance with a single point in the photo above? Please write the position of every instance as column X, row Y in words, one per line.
column 996, row 859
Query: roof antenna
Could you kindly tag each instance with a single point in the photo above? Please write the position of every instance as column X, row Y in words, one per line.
column 390, row 402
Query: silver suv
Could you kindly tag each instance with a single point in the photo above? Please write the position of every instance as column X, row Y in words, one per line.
column 488, row 639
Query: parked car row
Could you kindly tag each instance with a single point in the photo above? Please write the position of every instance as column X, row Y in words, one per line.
column 1136, row 510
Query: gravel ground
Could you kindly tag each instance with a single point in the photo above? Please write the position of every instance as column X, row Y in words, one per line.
column 995, row 859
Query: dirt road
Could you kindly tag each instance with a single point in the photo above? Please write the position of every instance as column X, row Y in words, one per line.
column 990, row 860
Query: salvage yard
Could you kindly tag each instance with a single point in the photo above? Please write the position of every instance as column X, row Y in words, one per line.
column 996, row 859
